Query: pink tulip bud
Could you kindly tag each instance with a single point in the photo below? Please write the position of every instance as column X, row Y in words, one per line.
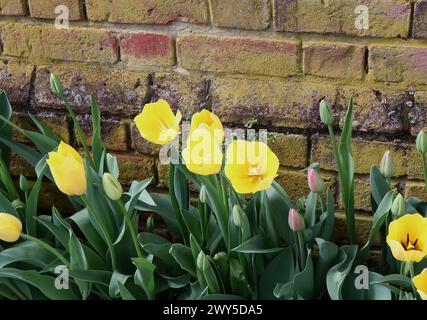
column 296, row 221
column 315, row 182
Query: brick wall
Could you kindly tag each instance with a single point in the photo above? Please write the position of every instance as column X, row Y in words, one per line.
column 272, row 60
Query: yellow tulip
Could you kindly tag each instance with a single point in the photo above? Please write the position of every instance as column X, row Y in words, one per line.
column 157, row 123
column 68, row 170
column 202, row 154
column 420, row 282
column 250, row 166
column 407, row 238
column 10, row 227
column 209, row 121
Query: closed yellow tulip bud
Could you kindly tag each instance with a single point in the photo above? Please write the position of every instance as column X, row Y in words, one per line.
column 68, row 170
column 10, row 227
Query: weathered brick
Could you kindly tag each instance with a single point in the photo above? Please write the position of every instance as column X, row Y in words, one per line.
column 15, row 80
column 414, row 163
column 295, row 183
column 280, row 103
column 12, row 8
column 114, row 132
column 415, row 189
column 242, row 14
column 116, row 91
column 18, row 166
column 365, row 154
column 272, row 57
column 51, row 196
column 420, row 19
column 45, row 41
column 188, row 93
column 363, row 229
column 151, row 49
column 335, row 60
column 375, row 108
column 387, row 18
column 56, row 122
column 46, row 9
column 135, row 167
column 362, row 193
column 398, row 63
column 162, row 175
column 140, row 144
column 147, row 11
column 291, row 149
column 418, row 113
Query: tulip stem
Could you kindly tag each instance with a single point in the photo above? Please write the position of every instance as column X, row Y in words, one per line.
column 79, row 130
column 411, row 272
column 132, row 230
column 102, row 228
column 302, row 253
column 43, row 244
column 423, row 159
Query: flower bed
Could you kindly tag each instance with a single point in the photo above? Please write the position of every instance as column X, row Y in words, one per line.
column 238, row 233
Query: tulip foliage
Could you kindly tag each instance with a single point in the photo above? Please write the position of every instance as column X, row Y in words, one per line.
column 236, row 234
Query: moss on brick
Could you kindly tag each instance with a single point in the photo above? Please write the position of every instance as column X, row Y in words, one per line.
column 274, row 57
column 15, row 80
column 387, row 18
column 147, row 11
column 116, row 91
column 45, row 41
column 241, row 14
column 288, row 103
column 12, row 8
column 291, row 149
column 46, row 9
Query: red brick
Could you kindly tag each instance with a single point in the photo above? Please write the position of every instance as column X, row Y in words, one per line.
column 335, row 60
column 272, row 57
column 147, row 11
column 45, row 41
column 398, row 63
column 46, row 9
column 152, row 49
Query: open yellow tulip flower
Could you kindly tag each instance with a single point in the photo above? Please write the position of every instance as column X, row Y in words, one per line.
column 68, row 170
column 157, row 123
column 209, row 121
column 407, row 238
column 202, row 154
column 250, row 166
column 420, row 282
column 10, row 227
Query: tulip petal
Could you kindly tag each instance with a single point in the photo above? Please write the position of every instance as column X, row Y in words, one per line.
column 157, row 123
column 10, row 227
